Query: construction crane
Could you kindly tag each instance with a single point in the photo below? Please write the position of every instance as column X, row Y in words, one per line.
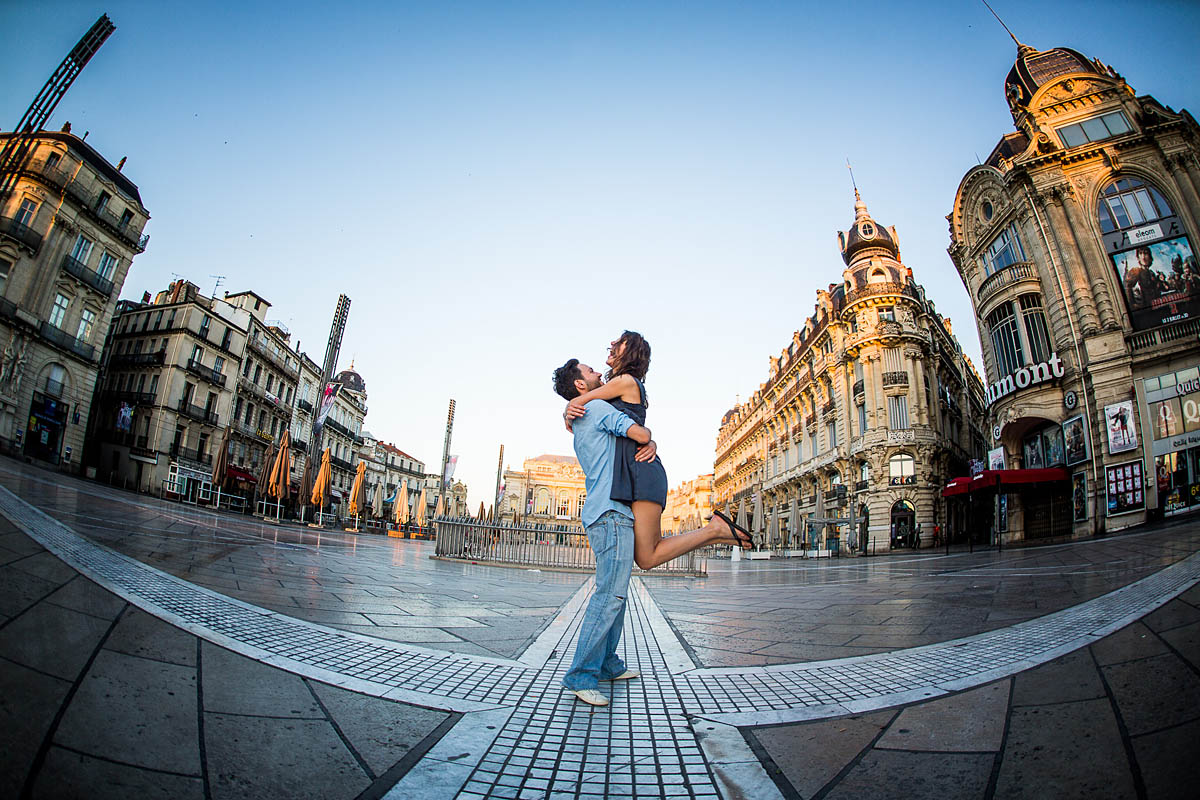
column 17, row 148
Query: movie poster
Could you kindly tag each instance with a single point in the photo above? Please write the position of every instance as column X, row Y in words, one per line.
column 1125, row 489
column 1075, row 440
column 1033, row 452
column 1121, row 427
column 1161, row 282
column 1052, row 447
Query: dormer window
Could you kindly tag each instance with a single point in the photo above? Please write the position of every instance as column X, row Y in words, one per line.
column 1095, row 129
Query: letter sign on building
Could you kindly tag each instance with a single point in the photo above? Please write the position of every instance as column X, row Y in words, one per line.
column 1025, row 377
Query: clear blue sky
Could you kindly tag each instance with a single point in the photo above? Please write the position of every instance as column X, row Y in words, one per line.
column 501, row 186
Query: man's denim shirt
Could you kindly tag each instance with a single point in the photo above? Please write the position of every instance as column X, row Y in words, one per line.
column 596, row 448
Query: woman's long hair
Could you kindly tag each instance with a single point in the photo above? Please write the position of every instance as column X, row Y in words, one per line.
column 634, row 360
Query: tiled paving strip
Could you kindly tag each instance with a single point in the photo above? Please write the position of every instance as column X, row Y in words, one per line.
column 627, row 748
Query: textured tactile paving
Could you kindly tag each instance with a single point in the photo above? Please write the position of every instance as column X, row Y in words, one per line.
column 641, row 745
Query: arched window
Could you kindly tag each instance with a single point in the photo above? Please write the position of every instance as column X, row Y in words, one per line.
column 901, row 469
column 564, row 503
column 542, row 504
column 1130, row 203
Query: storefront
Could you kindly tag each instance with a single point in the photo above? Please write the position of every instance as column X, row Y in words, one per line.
column 1173, row 411
column 47, row 421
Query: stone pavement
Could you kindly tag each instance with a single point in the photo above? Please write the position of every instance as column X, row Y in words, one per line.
column 129, row 672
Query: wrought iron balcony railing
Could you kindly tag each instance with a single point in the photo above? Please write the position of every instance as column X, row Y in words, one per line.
column 78, row 269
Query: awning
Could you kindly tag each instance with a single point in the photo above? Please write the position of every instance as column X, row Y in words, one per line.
column 233, row 473
column 999, row 478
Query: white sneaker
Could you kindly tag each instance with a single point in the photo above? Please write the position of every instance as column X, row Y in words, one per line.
column 626, row 675
column 591, row 697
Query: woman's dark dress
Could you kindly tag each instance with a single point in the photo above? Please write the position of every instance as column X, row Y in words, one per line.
column 636, row 480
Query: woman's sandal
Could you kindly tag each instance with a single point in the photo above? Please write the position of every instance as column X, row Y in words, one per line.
column 744, row 538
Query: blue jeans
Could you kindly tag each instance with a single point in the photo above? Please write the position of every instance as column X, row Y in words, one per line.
column 611, row 538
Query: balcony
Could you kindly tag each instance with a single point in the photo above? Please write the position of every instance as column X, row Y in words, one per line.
column 197, row 413
column 330, row 422
column 859, row 388
column 54, row 388
column 187, row 454
column 78, row 269
column 1180, row 331
column 1013, row 273
column 304, row 406
column 299, row 444
column 895, row 379
column 260, row 347
column 207, row 373
column 21, row 232
column 66, row 341
column 155, row 359
column 878, row 289
column 341, row 464
column 827, row 408
column 8, row 309
column 65, row 182
column 860, row 486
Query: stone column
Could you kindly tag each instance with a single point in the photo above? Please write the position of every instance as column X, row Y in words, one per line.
column 1098, row 278
column 1187, row 177
column 1075, row 275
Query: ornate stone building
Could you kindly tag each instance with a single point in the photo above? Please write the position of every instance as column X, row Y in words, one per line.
column 167, row 391
column 865, row 413
column 689, row 505
column 1076, row 242
column 548, row 491
column 69, row 230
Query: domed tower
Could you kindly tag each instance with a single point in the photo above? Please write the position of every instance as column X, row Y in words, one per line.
column 1076, row 243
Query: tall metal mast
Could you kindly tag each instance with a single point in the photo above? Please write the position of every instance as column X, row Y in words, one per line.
column 499, row 471
column 17, row 149
column 332, row 349
column 446, row 453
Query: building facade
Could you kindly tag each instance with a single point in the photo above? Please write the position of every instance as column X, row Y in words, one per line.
column 865, row 413
column 69, row 230
column 689, row 505
column 167, row 390
column 1076, row 242
column 549, row 490
column 265, row 388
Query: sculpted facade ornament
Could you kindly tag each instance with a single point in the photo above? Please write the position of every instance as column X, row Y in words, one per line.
column 12, row 363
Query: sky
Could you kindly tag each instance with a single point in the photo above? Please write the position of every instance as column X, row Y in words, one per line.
column 499, row 187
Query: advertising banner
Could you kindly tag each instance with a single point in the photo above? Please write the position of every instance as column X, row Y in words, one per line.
column 1160, row 280
column 327, row 398
column 1125, row 488
column 1075, row 440
column 1079, row 496
column 451, row 463
column 1121, row 429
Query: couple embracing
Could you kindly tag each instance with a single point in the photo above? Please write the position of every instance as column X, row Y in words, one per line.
column 626, row 491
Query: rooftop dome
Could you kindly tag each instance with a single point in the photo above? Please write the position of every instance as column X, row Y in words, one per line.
column 351, row 380
column 1036, row 68
column 865, row 233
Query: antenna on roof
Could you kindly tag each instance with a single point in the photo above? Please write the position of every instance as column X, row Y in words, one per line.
column 1002, row 25
column 216, row 283
column 852, row 182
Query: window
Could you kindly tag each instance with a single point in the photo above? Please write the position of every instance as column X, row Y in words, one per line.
column 171, row 319
column 87, row 318
column 898, row 412
column 59, row 311
column 197, row 354
column 893, row 360
column 1004, row 250
column 887, row 313
column 82, row 250
column 5, row 267
column 257, row 373
column 564, row 504
column 542, row 506
column 249, row 413
column 270, row 382
column 1095, row 129
column 154, row 384
column 1128, row 203
column 204, row 323
column 864, row 471
column 862, row 418
column 831, row 434
column 1006, row 343
column 26, row 212
column 1036, row 333
column 102, row 201
column 126, row 217
column 218, row 365
column 108, row 265
column 902, row 469
column 246, row 368
column 53, row 159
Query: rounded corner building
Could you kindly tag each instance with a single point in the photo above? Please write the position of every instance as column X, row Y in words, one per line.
column 1076, row 242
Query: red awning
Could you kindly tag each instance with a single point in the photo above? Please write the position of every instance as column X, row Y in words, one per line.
column 233, row 473
column 993, row 478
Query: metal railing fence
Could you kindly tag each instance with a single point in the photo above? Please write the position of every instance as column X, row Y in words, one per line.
column 549, row 546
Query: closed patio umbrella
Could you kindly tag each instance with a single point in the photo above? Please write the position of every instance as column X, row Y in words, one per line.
column 773, row 530
column 819, row 513
column 281, row 474
column 479, row 516
column 420, row 520
column 400, row 506
column 221, row 466
column 306, row 485
column 793, row 521
column 439, row 510
column 757, row 526
column 742, row 520
column 358, row 492
column 321, row 484
column 264, row 470
column 377, row 506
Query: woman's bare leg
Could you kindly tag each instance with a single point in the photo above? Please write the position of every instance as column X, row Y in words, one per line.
column 650, row 548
